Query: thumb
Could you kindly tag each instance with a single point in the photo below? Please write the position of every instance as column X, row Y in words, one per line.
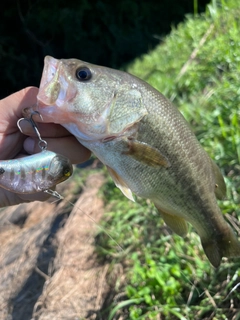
column 11, row 107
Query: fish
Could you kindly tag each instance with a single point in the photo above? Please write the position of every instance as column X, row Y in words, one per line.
column 35, row 173
column 146, row 144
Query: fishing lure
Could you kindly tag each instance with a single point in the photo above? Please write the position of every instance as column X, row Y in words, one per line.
column 35, row 173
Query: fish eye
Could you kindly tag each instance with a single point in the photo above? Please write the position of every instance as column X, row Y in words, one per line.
column 83, row 73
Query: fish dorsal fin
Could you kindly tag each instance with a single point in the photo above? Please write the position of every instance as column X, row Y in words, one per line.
column 121, row 184
column 146, row 154
column 177, row 224
column 220, row 186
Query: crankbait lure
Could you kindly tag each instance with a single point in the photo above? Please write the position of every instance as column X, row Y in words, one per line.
column 35, row 173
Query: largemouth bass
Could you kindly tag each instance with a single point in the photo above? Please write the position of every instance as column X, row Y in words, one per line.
column 39, row 172
column 145, row 143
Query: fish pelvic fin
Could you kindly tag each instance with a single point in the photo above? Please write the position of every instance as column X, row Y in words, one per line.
column 220, row 186
column 224, row 245
column 121, row 184
column 177, row 224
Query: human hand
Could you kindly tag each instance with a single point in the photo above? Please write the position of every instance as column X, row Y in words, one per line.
column 13, row 142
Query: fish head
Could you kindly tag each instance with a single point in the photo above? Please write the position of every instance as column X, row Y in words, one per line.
column 60, row 169
column 92, row 102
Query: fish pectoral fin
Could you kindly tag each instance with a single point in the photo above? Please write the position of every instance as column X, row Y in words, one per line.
column 177, row 224
column 145, row 154
column 121, row 184
column 220, row 186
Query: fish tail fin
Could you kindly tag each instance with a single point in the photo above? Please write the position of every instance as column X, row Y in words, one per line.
column 225, row 245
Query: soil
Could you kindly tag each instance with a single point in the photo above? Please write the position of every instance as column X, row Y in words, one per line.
column 48, row 264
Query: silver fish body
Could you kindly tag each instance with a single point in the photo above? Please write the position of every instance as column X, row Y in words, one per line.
column 145, row 143
column 35, row 173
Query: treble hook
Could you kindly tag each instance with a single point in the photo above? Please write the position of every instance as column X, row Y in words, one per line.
column 41, row 143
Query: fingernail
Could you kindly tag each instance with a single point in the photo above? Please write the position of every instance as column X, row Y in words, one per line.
column 26, row 127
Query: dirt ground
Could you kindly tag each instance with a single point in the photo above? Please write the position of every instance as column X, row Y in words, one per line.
column 48, row 265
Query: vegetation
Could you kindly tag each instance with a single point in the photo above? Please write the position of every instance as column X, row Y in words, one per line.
column 97, row 31
column 167, row 277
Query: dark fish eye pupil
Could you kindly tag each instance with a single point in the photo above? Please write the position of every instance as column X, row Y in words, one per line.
column 83, row 74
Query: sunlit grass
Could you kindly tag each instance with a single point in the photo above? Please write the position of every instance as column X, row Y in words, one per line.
column 198, row 68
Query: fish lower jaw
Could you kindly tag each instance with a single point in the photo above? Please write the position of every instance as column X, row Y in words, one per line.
column 52, row 113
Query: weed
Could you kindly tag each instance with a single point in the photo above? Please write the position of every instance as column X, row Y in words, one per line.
column 168, row 277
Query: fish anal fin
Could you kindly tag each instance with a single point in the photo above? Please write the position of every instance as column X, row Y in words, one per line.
column 120, row 183
column 220, row 186
column 145, row 154
column 177, row 224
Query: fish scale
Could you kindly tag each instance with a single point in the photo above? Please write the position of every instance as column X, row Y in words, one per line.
column 146, row 144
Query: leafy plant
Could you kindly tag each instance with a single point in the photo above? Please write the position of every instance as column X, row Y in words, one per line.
column 168, row 277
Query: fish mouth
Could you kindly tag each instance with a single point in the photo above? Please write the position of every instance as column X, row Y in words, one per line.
column 55, row 91
column 54, row 86
column 50, row 85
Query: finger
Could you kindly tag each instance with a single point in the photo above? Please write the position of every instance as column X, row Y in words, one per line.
column 11, row 145
column 40, row 196
column 67, row 146
column 47, row 130
column 11, row 107
column 8, row 198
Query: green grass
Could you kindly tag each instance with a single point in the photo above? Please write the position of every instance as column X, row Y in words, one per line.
column 167, row 277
